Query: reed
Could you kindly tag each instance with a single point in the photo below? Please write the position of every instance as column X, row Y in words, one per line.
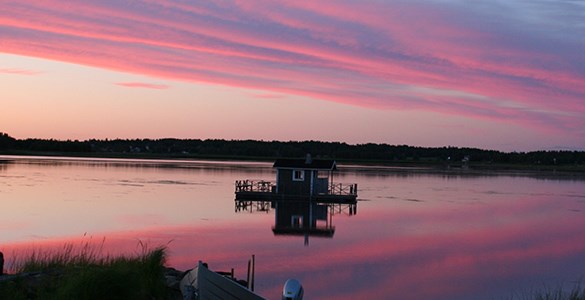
column 85, row 273
column 577, row 292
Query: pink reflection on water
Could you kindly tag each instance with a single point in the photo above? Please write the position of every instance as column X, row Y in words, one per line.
column 445, row 259
column 423, row 236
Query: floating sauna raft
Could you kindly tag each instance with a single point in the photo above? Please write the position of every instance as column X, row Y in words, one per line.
column 252, row 190
column 299, row 179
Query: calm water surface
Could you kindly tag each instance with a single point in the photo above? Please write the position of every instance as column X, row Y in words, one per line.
column 416, row 235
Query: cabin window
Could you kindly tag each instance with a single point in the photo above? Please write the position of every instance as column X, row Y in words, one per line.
column 298, row 175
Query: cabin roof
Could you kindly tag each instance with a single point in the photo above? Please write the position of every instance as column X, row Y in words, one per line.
column 315, row 164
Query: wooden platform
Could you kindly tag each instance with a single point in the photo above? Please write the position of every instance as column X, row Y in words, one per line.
column 251, row 190
column 320, row 198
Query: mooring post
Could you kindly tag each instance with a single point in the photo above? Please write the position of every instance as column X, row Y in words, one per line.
column 248, row 277
column 1, row 263
column 253, row 270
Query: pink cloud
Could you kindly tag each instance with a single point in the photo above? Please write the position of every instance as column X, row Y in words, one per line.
column 19, row 71
column 269, row 96
column 417, row 56
column 143, row 85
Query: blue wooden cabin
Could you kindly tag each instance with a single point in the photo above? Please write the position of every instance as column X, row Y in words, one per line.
column 299, row 179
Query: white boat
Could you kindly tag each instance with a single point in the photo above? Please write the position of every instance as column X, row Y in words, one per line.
column 201, row 284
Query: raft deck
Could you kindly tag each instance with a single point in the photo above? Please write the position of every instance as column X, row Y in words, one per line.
column 261, row 190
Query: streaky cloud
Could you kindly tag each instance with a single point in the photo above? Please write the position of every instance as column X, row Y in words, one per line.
column 485, row 60
column 19, row 71
column 269, row 96
column 143, row 85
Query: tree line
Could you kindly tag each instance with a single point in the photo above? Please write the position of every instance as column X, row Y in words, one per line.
column 170, row 147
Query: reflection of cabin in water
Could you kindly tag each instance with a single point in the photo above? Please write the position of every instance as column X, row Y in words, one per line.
column 299, row 217
column 303, row 218
column 304, row 179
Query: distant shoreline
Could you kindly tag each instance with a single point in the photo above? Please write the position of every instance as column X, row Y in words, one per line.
column 445, row 157
column 409, row 166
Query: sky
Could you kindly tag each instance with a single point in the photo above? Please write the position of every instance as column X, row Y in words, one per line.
column 506, row 75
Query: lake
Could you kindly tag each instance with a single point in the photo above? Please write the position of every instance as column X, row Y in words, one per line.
column 415, row 234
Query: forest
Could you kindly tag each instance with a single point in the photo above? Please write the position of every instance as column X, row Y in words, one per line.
column 267, row 150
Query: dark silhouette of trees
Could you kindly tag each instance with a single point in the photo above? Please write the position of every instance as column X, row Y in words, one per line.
column 216, row 148
column 6, row 141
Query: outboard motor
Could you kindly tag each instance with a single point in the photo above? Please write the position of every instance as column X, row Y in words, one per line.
column 293, row 290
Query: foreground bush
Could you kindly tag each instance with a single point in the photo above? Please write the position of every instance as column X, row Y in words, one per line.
column 87, row 275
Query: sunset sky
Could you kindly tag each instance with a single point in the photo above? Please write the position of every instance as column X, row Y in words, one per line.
column 498, row 74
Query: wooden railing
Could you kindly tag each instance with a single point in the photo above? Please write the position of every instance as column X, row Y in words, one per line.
column 263, row 186
column 343, row 189
column 260, row 186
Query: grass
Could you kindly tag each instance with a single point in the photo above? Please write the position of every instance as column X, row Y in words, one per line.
column 577, row 293
column 559, row 293
column 85, row 273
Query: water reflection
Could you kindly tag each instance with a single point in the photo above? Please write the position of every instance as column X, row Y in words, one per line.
column 4, row 164
column 421, row 236
column 300, row 218
column 137, row 164
column 454, row 173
